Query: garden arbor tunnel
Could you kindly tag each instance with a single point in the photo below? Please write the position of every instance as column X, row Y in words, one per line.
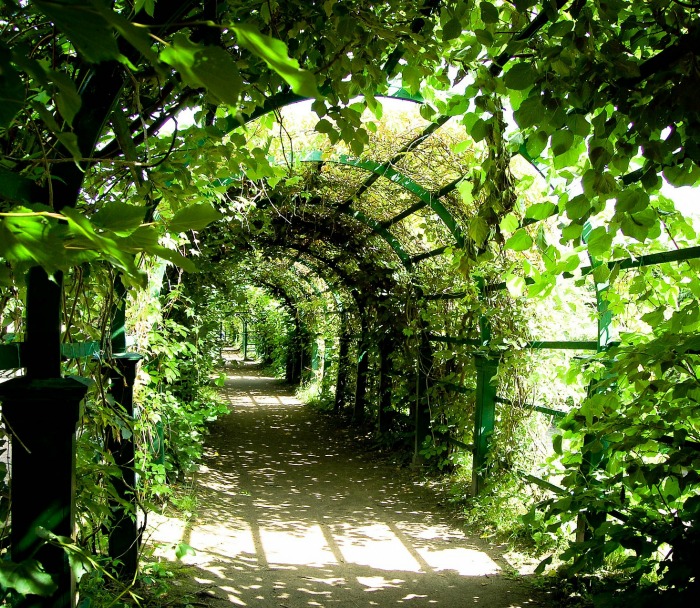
column 365, row 244
column 400, row 266
column 373, row 265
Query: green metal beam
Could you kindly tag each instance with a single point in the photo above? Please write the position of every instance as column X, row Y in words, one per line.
column 429, row 254
column 386, row 171
column 287, row 98
column 416, row 141
column 392, row 241
column 11, row 354
column 665, row 257
column 562, row 345
column 404, row 214
column 453, row 340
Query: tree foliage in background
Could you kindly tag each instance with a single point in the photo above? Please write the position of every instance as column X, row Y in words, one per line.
column 602, row 98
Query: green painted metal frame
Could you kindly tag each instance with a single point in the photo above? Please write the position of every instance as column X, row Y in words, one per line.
column 385, row 170
column 391, row 240
column 11, row 354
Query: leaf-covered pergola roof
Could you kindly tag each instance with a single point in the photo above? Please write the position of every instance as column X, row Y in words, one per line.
column 600, row 96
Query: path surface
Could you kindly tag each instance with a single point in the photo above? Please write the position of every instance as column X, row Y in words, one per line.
column 289, row 516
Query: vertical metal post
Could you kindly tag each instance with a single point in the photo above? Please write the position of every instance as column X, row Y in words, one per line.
column 421, row 409
column 594, row 450
column 124, row 538
column 326, row 366
column 592, row 459
column 43, row 415
column 118, row 327
column 385, row 369
column 358, row 413
column 315, row 355
column 41, row 355
column 294, row 354
column 244, row 346
column 343, row 352
column 484, row 417
column 43, row 410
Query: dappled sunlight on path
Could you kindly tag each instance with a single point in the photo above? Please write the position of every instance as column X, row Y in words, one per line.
column 289, row 516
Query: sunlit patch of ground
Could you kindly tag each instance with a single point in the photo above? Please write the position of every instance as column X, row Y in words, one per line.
column 289, row 516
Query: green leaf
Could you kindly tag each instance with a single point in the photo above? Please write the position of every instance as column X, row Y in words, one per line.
column 516, row 285
column 578, row 207
column 543, row 564
column 32, row 239
column 561, row 141
column 145, row 238
column 14, row 187
column 184, row 549
column 84, row 236
column 68, row 99
column 11, row 89
column 27, row 578
column 536, row 143
column 480, row 129
column 138, row 37
column 520, row 77
column 205, row 66
column 489, row 13
column 274, row 53
column 601, row 274
column 478, row 230
column 483, row 36
column 578, row 124
column 147, row 5
column 119, row 217
column 632, row 200
column 531, row 111
column 80, row 563
column 69, row 140
column 520, row 241
column 638, row 225
column 599, row 242
column 451, row 30
column 509, row 223
column 84, row 26
column 194, row 217
column 685, row 174
column 324, row 126
column 541, row 211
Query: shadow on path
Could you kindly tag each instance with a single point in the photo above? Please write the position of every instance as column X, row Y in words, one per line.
column 289, row 516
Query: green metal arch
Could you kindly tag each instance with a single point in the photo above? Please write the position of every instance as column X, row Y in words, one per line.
column 385, row 170
column 391, row 240
column 287, row 98
column 313, row 268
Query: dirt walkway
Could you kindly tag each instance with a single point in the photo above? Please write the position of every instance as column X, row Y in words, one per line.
column 289, row 516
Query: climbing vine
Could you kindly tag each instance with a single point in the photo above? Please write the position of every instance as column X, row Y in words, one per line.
column 132, row 132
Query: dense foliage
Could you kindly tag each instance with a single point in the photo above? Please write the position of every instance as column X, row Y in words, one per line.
column 127, row 128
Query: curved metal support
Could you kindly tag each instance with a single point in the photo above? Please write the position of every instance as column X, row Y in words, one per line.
column 384, row 170
column 287, row 98
column 392, row 241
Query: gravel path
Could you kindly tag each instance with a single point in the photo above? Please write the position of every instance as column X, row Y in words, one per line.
column 290, row 516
